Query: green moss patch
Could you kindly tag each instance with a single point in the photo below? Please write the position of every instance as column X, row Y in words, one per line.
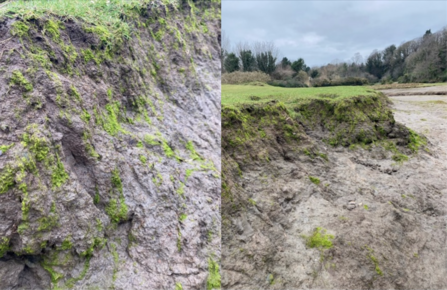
column 214, row 280
column 4, row 246
column 312, row 153
column 37, row 145
column 314, row 180
column 7, row 179
column 52, row 28
column 47, row 222
column 354, row 120
column 55, row 276
column 17, row 79
column 192, row 151
column 109, row 121
column 319, row 239
column 167, row 149
column 375, row 261
column 252, row 201
column 182, row 217
column 5, row 148
column 253, row 126
column 59, row 175
column 116, row 180
column 19, row 28
column 179, row 240
column 67, row 244
column 117, row 210
column 416, row 141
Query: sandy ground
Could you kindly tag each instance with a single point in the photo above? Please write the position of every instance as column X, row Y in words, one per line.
column 424, row 90
column 426, row 114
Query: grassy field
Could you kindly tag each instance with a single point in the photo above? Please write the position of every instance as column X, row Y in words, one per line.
column 238, row 94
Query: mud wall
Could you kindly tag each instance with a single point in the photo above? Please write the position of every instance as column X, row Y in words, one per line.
column 110, row 141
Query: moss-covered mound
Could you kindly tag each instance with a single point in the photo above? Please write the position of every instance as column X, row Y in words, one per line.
column 250, row 126
column 346, row 121
column 349, row 121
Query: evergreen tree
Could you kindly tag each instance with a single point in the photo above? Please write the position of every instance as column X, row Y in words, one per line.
column 231, row 63
column 248, row 61
column 266, row 62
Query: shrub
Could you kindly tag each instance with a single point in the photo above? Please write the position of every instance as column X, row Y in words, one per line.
column 283, row 73
column 302, row 76
column 350, row 81
column 321, row 82
column 239, row 77
column 293, row 83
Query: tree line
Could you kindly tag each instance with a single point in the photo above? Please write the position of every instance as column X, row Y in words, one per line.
column 423, row 59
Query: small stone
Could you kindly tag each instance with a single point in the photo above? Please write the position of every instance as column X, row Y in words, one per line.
column 351, row 206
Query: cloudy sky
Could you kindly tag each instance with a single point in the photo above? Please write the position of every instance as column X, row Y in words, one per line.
column 323, row 31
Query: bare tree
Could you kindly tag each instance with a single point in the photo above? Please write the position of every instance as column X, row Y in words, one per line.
column 225, row 49
column 242, row 46
column 265, row 47
column 226, row 43
column 357, row 58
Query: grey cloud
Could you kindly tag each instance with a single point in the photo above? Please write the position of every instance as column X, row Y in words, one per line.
column 322, row 31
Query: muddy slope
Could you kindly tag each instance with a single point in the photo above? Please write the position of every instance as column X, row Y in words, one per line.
column 110, row 151
column 298, row 213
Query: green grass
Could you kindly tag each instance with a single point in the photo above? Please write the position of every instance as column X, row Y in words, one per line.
column 237, row 94
column 109, row 19
column 104, row 12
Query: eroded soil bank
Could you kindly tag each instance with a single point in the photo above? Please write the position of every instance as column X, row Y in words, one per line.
column 110, row 150
column 388, row 218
